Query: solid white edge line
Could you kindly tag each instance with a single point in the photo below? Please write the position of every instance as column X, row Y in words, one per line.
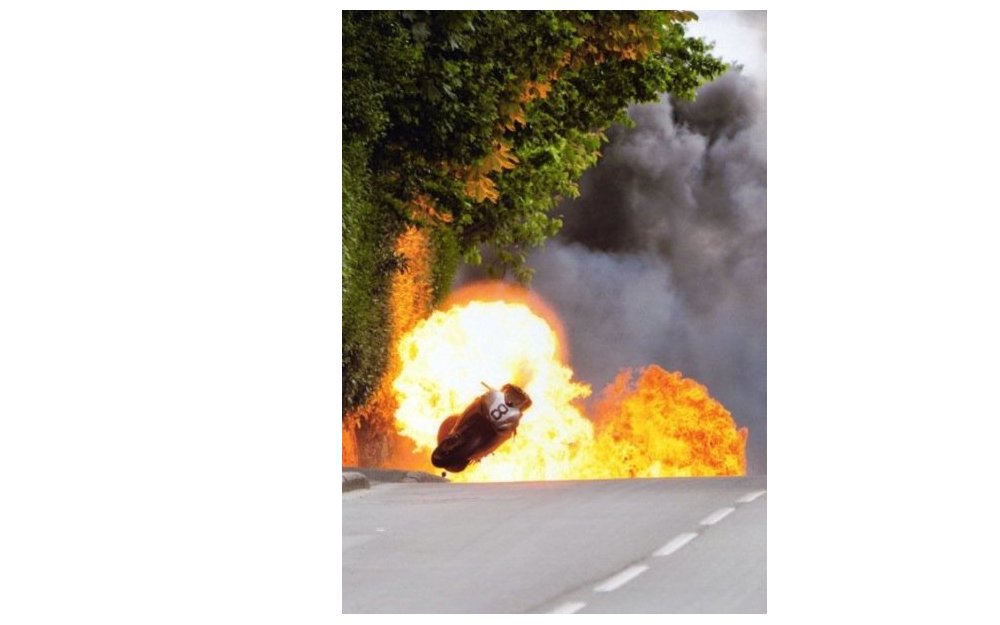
column 617, row 581
column 569, row 608
column 717, row 516
column 679, row 541
column 750, row 496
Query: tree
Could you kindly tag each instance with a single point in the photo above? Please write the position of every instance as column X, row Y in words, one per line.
column 473, row 125
column 480, row 121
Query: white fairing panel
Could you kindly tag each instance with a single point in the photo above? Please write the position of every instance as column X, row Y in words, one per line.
column 502, row 416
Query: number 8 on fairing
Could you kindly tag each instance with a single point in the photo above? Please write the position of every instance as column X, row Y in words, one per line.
column 498, row 412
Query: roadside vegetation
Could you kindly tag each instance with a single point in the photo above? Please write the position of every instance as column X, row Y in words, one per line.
column 472, row 126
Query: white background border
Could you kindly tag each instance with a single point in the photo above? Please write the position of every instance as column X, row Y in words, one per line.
column 169, row 264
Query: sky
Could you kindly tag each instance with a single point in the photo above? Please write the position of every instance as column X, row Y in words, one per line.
column 737, row 35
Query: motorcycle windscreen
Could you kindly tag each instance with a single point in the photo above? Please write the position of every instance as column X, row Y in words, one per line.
column 515, row 397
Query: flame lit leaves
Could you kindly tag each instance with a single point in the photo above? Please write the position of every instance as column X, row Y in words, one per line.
column 453, row 103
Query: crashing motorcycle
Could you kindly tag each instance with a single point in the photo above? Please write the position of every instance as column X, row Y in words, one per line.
column 487, row 423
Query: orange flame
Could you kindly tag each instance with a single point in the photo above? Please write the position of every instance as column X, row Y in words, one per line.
column 409, row 302
column 410, row 295
column 666, row 425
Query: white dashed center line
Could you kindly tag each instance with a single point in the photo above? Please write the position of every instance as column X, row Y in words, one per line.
column 569, row 608
column 750, row 496
column 676, row 544
column 716, row 516
column 619, row 580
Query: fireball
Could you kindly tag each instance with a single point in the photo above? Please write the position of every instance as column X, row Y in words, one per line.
column 663, row 425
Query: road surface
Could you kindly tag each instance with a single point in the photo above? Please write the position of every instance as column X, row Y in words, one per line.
column 681, row 545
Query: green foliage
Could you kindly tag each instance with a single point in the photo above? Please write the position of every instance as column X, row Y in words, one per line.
column 374, row 43
column 368, row 265
column 447, row 257
column 474, row 124
column 494, row 115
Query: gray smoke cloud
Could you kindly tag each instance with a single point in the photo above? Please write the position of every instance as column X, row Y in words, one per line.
column 663, row 258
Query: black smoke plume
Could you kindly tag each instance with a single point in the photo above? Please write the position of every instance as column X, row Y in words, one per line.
column 663, row 257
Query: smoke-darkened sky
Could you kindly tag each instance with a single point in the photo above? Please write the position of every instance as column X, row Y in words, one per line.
column 663, row 257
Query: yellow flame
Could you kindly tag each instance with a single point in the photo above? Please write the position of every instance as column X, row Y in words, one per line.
column 409, row 302
column 664, row 425
column 448, row 357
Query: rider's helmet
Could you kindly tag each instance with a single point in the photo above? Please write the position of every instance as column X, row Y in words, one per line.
column 515, row 397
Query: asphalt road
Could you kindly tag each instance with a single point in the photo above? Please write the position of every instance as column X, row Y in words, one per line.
column 612, row 546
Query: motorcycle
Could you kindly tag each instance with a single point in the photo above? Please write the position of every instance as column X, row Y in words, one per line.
column 489, row 421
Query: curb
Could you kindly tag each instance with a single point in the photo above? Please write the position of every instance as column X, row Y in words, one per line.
column 420, row 476
column 377, row 476
column 354, row 481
